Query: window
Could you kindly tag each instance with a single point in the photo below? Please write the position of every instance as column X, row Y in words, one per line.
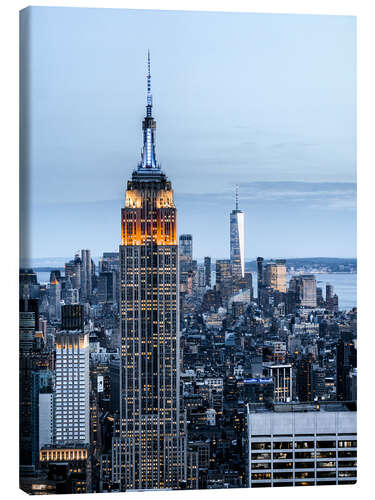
column 326, row 444
column 261, row 446
column 304, row 444
column 261, row 456
column 347, row 444
column 282, row 445
column 304, row 454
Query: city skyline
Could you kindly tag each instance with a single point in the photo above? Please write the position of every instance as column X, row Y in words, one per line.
column 240, row 129
column 149, row 371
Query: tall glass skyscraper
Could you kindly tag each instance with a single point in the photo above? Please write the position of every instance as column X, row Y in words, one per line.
column 152, row 428
column 237, row 243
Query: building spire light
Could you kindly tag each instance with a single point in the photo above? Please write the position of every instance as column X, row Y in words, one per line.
column 149, row 125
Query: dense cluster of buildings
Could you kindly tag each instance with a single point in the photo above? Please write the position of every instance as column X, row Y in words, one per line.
column 144, row 372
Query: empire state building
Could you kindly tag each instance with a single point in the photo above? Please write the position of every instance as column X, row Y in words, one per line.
column 152, row 429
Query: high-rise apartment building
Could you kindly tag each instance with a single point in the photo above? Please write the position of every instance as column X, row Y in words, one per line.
column 237, row 241
column 72, row 387
column 152, row 437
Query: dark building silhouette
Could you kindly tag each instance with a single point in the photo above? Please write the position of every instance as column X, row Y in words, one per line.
column 346, row 359
column 304, row 377
column 207, row 271
column 72, row 317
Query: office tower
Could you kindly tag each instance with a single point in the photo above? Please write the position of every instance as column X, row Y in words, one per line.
column 72, row 317
column 54, row 299
column 275, row 275
column 72, row 296
column 207, row 271
column 332, row 300
column 201, row 277
column 107, row 286
column 346, row 360
column 186, row 262
column 260, row 278
column 319, row 297
column 109, row 262
column 245, row 283
column 73, row 270
column 151, row 425
column 281, row 375
column 302, row 444
column 304, row 382
column 318, row 383
column 306, row 290
column 329, row 292
column 86, row 275
column 72, row 387
column 237, row 241
column 223, row 274
column 186, row 245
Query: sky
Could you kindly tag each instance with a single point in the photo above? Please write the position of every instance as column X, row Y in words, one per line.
column 265, row 101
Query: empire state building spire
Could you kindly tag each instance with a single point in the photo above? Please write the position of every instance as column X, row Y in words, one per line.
column 149, row 126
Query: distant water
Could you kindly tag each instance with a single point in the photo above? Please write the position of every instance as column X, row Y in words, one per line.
column 344, row 284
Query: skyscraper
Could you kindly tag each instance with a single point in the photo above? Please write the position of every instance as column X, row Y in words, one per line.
column 304, row 383
column 207, row 271
column 86, row 275
column 72, row 317
column 306, row 290
column 275, row 275
column 72, row 387
column 152, row 436
column 186, row 261
column 237, row 243
column 224, row 276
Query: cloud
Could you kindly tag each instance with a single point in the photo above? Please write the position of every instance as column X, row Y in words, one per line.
column 310, row 195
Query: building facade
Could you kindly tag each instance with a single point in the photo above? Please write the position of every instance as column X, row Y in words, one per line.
column 275, row 275
column 302, row 444
column 72, row 414
column 152, row 434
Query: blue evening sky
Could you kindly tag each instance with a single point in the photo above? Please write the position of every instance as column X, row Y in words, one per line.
column 264, row 101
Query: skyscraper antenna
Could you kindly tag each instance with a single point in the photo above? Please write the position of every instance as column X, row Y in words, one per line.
column 149, row 97
column 236, row 196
